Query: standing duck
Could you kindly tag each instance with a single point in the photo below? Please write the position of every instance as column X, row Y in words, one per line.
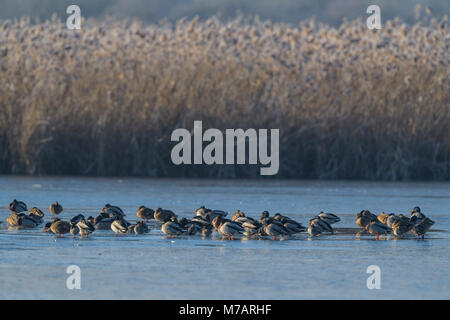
column 418, row 214
column 226, row 227
column 55, row 208
column 377, row 228
column 145, row 213
column 86, row 228
column 141, row 228
column 17, row 206
column 273, row 229
column 119, row 225
column 422, row 226
column 322, row 224
column 401, row 226
column 164, row 215
column 172, row 228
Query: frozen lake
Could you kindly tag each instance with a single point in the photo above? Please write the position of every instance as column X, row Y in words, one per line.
column 33, row 264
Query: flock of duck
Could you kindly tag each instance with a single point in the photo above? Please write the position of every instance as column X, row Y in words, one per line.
column 207, row 221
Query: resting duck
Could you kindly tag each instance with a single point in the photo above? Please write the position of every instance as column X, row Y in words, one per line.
column 377, row 228
column 103, row 221
column 273, row 229
column 401, row 226
column 364, row 218
column 36, row 214
column 382, row 217
column 145, row 213
column 172, row 228
column 119, row 225
column 286, row 220
column 55, row 208
column 421, row 227
column 141, row 227
column 226, row 227
column 21, row 220
column 164, row 215
column 60, row 227
column 330, row 218
column 314, row 230
column 113, row 211
column 76, row 219
column 18, row 206
column 86, row 228
column 322, row 224
column 237, row 214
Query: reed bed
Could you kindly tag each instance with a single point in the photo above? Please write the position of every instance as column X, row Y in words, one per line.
column 349, row 102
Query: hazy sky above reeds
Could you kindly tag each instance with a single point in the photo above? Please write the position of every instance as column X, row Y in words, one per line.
column 290, row 11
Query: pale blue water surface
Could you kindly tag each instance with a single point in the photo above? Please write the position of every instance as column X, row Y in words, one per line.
column 33, row 264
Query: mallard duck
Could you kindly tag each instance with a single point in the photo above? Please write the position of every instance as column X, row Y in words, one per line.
column 18, row 206
column 330, row 218
column 60, row 227
column 322, row 224
column 203, row 212
column 284, row 220
column 164, row 215
column 401, row 226
column 418, row 214
column 391, row 219
column 237, row 214
column 103, row 222
column 113, row 211
column 119, row 225
column 377, row 228
column 273, row 229
column 13, row 219
column 21, row 220
column 364, row 218
column 36, row 214
column 145, row 213
column 172, row 228
column 264, row 215
column 76, row 219
column 86, row 228
column 226, row 227
column 27, row 222
column 382, row 217
column 141, row 227
column 293, row 228
column 403, row 218
column 422, row 227
column 55, row 208
column 314, row 230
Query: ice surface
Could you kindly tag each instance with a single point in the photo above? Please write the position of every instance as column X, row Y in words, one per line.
column 33, row 264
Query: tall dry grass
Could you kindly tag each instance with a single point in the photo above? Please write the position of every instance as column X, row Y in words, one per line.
column 349, row 102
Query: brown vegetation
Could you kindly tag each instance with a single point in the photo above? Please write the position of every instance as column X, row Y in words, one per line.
column 349, row 102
